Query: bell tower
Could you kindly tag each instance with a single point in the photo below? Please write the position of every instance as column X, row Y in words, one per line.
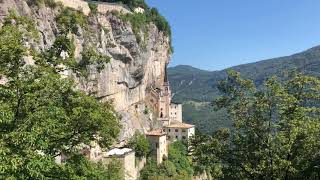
column 165, row 100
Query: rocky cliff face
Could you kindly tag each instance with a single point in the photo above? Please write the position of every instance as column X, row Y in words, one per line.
column 132, row 67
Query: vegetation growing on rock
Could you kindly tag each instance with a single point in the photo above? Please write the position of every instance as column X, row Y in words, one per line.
column 42, row 115
column 140, row 22
column 39, row 3
column 139, row 144
column 69, row 21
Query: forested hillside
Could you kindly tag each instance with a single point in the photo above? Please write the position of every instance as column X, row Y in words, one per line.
column 196, row 88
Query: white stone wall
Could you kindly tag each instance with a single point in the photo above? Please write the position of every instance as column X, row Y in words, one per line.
column 130, row 167
column 158, row 147
column 76, row 4
column 139, row 10
column 109, row 7
column 128, row 164
column 191, row 132
column 102, row 7
column 163, row 150
column 140, row 163
column 176, row 112
column 179, row 133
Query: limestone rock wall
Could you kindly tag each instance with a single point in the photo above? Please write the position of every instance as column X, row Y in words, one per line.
column 131, row 70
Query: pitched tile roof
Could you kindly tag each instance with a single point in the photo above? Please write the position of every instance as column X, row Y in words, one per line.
column 177, row 124
column 157, row 132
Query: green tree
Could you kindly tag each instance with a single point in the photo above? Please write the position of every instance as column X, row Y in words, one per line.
column 150, row 170
column 115, row 170
column 178, row 155
column 140, row 144
column 43, row 116
column 276, row 130
column 176, row 167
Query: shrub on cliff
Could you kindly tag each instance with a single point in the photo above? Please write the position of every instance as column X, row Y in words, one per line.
column 140, row 21
column 140, row 144
column 93, row 8
column 50, row 3
column 69, row 20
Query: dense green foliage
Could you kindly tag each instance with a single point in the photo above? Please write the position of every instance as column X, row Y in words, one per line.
column 43, row 115
column 203, row 116
column 178, row 156
column 69, row 20
column 176, row 167
column 276, row 130
column 79, row 167
column 115, row 170
column 140, row 144
column 93, row 8
column 194, row 85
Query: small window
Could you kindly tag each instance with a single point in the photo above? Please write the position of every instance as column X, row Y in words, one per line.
column 176, row 137
column 183, row 130
column 169, row 130
column 169, row 137
column 175, row 113
column 183, row 137
column 177, row 130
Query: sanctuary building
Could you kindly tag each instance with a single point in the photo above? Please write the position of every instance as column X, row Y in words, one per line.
column 169, row 117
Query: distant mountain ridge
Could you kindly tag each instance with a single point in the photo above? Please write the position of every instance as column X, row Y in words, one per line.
column 190, row 84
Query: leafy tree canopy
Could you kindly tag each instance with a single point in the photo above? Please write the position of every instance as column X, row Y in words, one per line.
column 276, row 130
column 140, row 144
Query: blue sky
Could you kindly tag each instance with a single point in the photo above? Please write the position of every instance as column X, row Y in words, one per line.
column 213, row 35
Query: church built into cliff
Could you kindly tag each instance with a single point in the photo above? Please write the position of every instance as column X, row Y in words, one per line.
column 169, row 120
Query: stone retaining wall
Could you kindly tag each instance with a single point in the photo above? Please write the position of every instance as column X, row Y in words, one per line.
column 102, row 7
